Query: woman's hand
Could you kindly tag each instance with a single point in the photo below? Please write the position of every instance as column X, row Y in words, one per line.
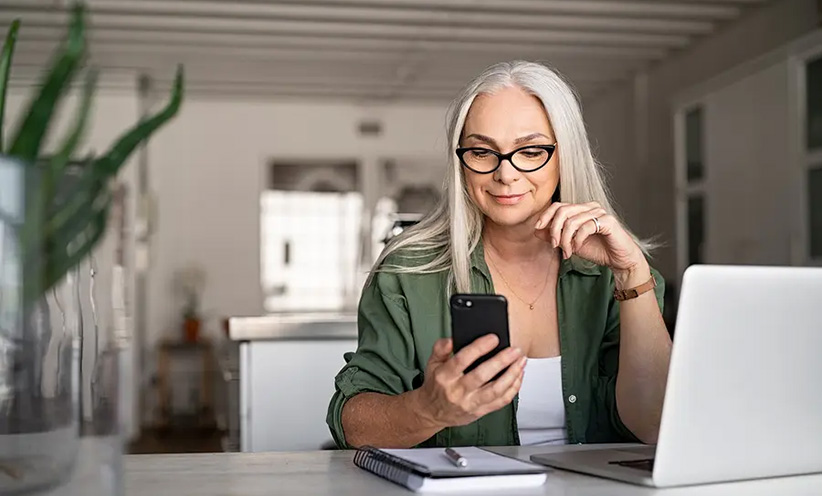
column 449, row 397
column 572, row 228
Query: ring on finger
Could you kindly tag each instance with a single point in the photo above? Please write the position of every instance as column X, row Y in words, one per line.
column 596, row 223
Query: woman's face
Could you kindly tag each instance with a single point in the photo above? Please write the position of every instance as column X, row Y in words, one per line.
column 505, row 121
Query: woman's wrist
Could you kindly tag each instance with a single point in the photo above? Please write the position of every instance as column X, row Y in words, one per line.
column 420, row 408
column 633, row 276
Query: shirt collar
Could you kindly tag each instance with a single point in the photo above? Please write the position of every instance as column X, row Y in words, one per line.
column 574, row 264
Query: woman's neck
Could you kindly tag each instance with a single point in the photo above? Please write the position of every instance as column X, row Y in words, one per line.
column 516, row 244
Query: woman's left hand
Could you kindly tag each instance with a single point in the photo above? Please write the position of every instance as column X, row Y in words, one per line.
column 571, row 227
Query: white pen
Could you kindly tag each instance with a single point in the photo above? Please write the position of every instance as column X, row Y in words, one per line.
column 456, row 458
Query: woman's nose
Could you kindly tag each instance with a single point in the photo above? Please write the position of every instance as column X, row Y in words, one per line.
column 506, row 173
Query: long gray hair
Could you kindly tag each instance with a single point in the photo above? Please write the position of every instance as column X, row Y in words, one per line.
column 445, row 238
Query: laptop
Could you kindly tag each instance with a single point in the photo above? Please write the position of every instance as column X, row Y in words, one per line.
column 744, row 392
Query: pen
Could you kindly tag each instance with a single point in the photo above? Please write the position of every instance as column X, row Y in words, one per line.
column 456, row 458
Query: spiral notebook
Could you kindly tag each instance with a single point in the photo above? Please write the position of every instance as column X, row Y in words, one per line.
column 429, row 470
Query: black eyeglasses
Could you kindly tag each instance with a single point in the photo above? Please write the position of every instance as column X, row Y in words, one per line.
column 526, row 159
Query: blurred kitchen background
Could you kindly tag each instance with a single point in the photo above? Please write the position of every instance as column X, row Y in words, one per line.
column 313, row 130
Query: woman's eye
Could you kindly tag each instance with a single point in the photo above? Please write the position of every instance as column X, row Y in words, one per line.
column 480, row 153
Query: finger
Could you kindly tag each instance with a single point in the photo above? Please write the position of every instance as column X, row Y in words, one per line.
column 607, row 223
column 557, row 223
column 503, row 399
column 574, row 224
column 493, row 390
column 441, row 351
column 586, row 230
column 545, row 217
column 468, row 355
column 490, row 368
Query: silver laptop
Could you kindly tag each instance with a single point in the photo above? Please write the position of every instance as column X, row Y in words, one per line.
column 744, row 393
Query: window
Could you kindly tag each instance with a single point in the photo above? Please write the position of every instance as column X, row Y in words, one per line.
column 310, row 247
column 696, row 228
column 310, row 237
column 693, row 144
column 813, row 89
column 815, row 211
column 813, row 156
column 691, row 179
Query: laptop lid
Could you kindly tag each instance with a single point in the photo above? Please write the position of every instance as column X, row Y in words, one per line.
column 744, row 391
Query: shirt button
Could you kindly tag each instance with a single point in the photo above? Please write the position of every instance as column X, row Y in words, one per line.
column 572, row 399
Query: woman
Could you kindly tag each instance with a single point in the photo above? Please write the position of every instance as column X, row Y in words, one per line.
column 527, row 216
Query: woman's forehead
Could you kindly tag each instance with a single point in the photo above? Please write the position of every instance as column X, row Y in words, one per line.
column 507, row 114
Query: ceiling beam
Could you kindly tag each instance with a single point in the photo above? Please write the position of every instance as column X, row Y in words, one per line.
column 605, row 8
column 171, row 40
column 162, row 54
column 349, row 30
column 404, row 16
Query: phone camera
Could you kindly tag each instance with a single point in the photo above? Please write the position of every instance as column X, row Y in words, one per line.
column 459, row 301
column 468, row 303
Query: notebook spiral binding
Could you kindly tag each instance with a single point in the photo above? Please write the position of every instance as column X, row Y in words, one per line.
column 388, row 466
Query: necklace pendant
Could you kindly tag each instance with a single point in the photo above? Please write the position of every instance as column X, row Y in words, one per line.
column 531, row 306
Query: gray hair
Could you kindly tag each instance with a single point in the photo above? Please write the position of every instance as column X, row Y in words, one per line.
column 446, row 237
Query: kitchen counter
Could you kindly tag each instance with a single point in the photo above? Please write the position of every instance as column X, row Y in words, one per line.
column 288, row 326
column 287, row 366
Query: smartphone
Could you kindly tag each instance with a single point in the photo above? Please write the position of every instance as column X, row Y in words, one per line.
column 474, row 316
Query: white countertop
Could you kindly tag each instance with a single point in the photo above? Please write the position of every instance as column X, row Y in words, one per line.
column 320, row 473
column 294, row 326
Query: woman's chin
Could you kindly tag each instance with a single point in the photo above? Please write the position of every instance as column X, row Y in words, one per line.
column 508, row 217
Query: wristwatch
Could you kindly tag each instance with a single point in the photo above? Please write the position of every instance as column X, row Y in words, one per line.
column 631, row 293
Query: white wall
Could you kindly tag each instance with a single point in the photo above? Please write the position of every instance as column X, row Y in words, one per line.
column 207, row 172
column 646, row 169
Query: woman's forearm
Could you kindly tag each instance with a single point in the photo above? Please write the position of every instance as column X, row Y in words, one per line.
column 644, row 355
column 387, row 421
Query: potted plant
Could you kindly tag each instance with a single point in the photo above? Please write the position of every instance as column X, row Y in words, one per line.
column 51, row 218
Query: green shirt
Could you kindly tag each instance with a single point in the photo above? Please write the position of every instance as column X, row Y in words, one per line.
column 402, row 315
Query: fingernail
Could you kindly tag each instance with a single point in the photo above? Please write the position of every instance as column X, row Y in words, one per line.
column 517, row 351
column 555, row 242
column 523, row 361
column 539, row 224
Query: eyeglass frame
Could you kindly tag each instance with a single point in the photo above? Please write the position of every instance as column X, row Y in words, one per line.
column 505, row 156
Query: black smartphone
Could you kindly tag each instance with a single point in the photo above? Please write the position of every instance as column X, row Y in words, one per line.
column 474, row 316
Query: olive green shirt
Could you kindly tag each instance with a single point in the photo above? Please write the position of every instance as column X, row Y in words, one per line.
column 402, row 315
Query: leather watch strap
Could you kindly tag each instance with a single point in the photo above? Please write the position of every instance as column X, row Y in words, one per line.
column 631, row 293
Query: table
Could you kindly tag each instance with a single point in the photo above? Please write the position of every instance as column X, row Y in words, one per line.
column 319, row 473
column 202, row 351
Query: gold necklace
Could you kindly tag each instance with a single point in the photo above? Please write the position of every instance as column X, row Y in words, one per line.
column 530, row 305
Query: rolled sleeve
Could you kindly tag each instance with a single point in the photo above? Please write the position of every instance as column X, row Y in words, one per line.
column 385, row 360
column 605, row 424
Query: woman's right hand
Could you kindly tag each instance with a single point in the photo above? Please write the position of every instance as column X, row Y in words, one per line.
column 449, row 397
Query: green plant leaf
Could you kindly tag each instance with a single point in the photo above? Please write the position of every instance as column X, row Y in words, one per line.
column 30, row 134
column 58, row 229
column 62, row 157
column 62, row 258
column 5, row 69
column 119, row 152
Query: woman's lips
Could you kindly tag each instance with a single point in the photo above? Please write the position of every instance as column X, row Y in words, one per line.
column 508, row 199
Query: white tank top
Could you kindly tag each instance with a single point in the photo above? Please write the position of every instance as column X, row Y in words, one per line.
column 541, row 409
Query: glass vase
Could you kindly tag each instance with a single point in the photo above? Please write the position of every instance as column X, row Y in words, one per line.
column 60, row 420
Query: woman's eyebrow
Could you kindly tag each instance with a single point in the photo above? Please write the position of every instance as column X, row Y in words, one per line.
column 483, row 138
column 530, row 137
